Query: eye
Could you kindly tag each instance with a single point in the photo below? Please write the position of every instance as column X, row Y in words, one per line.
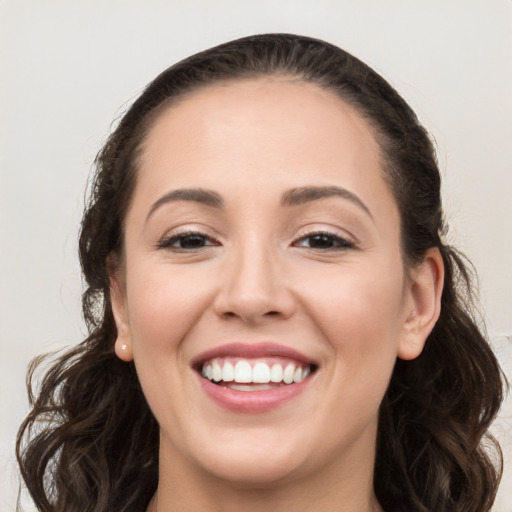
column 323, row 242
column 189, row 241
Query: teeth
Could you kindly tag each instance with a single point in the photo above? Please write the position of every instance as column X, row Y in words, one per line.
column 251, row 387
column 276, row 373
column 260, row 374
column 243, row 372
column 288, row 374
column 216, row 371
column 228, row 372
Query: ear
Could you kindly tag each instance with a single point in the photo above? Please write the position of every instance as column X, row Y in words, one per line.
column 423, row 304
column 123, row 344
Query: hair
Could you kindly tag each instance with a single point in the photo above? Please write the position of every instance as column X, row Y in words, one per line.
column 91, row 442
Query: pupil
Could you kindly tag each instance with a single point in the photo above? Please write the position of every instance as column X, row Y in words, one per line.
column 192, row 241
column 321, row 241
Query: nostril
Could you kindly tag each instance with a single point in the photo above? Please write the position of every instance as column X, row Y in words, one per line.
column 253, row 306
column 234, row 314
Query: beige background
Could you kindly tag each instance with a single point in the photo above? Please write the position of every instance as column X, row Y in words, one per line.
column 68, row 68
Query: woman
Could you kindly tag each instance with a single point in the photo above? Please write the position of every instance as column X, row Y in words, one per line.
column 275, row 319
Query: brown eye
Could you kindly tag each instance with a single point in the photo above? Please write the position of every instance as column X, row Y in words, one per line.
column 187, row 242
column 191, row 242
column 324, row 241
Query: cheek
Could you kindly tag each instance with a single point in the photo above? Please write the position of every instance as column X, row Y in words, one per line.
column 359, row 313
column 163, row 309
column 163, row 306
column 356, row 302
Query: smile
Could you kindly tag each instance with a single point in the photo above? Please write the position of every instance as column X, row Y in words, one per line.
column 260, row 375
column 253, row 378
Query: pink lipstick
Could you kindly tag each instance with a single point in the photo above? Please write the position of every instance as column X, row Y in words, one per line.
column 253, row 378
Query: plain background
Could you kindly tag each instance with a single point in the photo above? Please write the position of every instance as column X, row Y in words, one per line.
column 69, row 68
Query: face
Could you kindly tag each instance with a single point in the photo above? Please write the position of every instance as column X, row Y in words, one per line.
column 262, row 292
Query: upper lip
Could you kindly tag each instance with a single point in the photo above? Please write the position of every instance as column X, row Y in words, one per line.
column 252, row 351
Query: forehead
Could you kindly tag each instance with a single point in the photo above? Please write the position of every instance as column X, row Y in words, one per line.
column 251, row 141
column 268, row 119
column 280, row 100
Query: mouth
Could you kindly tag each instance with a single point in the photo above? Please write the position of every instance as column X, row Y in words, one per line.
column 253, row 378
column 243, row 374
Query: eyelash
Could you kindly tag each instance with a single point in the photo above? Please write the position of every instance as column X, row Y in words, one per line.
column 337, row 243
column 169, row 242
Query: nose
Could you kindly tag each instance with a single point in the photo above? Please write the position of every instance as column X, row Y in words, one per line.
column 253, row 288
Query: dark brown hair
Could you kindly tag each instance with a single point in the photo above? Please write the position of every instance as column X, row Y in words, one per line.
column 90, row 442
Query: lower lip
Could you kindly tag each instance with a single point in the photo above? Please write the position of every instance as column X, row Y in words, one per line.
column 252, row 401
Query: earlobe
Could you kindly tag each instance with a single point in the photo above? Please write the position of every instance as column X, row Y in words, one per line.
column 423, row 306
column 123, row 349
column 123, row 343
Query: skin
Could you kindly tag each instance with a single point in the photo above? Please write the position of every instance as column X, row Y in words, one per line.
column 352, row 308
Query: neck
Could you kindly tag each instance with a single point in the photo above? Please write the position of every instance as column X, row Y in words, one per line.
column 257, row 500
column 347, row 487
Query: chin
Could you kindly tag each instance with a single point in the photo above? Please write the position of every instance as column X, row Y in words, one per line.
column 255, row 460
column 261, row 473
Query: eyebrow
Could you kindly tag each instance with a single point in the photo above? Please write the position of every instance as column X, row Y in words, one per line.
column 293, row 197
column 198, row 195
column 302, row 195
